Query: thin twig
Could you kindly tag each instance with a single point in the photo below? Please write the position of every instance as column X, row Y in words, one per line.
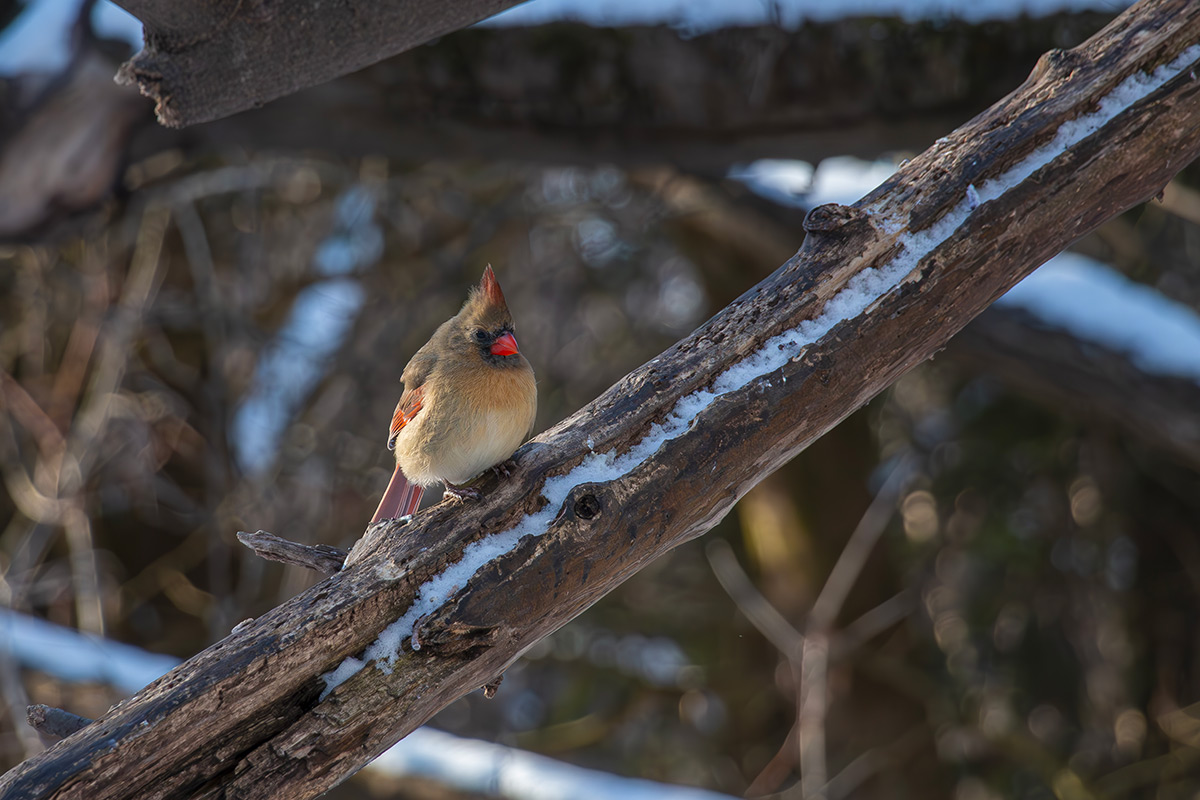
column 216, row 458
column 854, row 555
column 320, row 558
column 814, row 662
column 809, row 657
column 758, row 609
column 112, row 361
column 770, row 623
column 26, row 496
column 25, row 410
column 872, row 623
column 12, row 690
column 810, row 719
column 777, row 769
column 872, row 761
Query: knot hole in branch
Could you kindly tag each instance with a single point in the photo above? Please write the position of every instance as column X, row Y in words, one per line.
column 587, row 506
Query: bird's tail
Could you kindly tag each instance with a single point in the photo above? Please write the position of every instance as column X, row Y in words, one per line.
column 400, row 498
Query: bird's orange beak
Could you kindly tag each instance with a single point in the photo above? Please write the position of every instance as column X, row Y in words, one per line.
column 505, row 345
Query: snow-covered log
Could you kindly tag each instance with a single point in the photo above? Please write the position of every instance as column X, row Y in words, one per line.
column 311, row 691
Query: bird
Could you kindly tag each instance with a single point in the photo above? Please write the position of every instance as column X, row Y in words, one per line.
column 469, row 402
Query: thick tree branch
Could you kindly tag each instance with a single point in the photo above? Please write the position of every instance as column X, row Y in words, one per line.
column 204, row 61
column 309, row 692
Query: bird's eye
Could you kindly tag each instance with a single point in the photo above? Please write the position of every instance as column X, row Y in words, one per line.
column 480, row 335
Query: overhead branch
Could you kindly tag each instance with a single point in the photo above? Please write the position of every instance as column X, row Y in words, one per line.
column 204, row 61
column 309, row 692
column 820, row 90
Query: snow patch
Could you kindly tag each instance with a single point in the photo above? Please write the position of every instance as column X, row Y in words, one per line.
column 73, row 656
column 840, row 179
column 497, row 771
column 1098, row 304
column 972, row 197
column 467, row 764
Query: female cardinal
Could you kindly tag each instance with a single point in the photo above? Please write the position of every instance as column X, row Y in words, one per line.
column 469, row 401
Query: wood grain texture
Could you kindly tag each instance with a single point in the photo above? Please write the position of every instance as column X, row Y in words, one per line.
column 245, row 717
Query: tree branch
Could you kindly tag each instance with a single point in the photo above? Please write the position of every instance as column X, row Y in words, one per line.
column 204, row 61
column 309, row 692
column 745, row 595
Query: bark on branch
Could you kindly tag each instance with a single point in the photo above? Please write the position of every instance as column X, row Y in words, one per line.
column 666, row 452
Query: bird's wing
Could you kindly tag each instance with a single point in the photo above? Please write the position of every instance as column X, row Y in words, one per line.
column 406, row 411
column 414, row 376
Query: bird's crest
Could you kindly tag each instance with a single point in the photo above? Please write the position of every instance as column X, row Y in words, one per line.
column 489, row 287
column 485, row 306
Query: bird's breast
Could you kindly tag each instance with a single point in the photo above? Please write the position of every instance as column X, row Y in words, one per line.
column 467, row 426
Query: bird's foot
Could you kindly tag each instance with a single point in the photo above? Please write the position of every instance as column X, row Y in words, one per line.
column 504, row 468
column 460, row 493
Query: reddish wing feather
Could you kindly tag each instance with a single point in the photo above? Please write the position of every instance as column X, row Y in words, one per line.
column 406, row 410
column 401, row 497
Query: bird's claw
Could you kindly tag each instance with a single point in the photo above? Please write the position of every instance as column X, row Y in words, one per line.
column 505, row 468
column 460, row 493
